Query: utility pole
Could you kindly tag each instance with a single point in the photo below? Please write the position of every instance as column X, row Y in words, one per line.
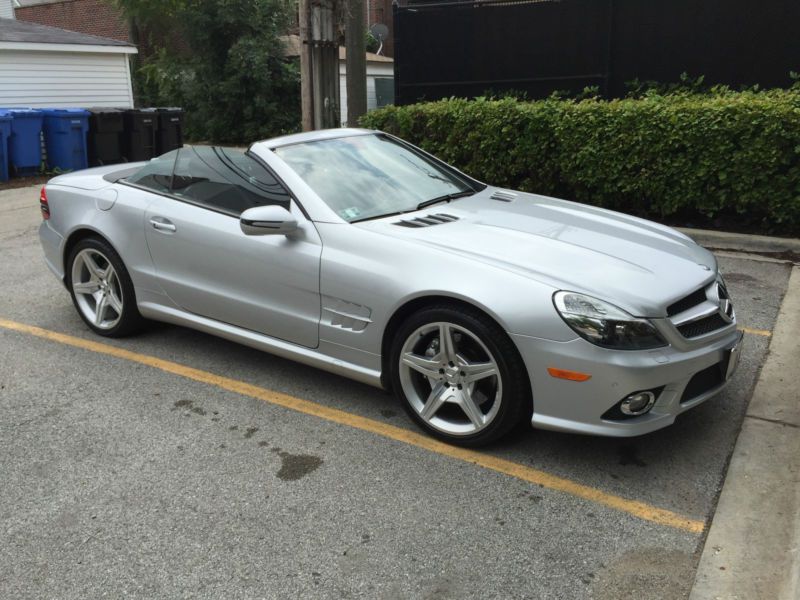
column 306, row 101
column 356, row 63
column 319, row 64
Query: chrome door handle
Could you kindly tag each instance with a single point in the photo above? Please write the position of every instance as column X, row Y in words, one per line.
column 162, row 224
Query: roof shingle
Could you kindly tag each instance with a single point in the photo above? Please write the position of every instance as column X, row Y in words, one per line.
column 12, row 30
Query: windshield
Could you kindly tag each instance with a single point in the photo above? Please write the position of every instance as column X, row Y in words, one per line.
column 369, row 176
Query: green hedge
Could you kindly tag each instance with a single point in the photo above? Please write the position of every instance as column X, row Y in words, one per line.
column 730, row 159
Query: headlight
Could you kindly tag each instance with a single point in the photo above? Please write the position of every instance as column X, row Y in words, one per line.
column 604, row 324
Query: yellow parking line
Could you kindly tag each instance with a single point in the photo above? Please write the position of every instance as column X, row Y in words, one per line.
column 750, row 330
column 638, row 509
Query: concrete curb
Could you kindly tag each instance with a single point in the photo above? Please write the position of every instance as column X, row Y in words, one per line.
column 742, row 241
column 753, row 547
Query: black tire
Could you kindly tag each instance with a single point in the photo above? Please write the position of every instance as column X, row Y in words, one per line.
column 516, row 404
column 130, row 320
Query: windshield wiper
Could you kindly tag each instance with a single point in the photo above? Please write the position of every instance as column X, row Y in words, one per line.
column 445, row 198
column 379, row 216
column 420, row 206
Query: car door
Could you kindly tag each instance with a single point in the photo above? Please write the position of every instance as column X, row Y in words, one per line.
column 208, row 266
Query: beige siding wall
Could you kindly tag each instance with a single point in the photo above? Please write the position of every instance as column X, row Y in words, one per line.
column 374, row 69
column 6, row 9
column 64, row 79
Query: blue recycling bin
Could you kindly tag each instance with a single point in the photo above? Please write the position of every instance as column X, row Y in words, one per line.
column 65, row 132
column 25, row 145
column 5, row 133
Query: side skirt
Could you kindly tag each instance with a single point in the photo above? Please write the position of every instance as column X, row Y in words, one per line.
column 301, row 354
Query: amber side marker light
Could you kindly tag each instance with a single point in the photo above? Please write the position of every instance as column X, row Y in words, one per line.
column 568, row 375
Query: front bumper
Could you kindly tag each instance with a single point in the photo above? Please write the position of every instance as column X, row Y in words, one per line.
column 578, row 407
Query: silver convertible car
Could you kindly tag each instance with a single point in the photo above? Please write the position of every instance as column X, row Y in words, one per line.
column 356, row 252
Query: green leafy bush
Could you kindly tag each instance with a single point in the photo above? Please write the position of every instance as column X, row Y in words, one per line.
column 222, row 61
column 733, row 157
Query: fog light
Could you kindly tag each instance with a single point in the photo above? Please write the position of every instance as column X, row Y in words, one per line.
column 638, row 403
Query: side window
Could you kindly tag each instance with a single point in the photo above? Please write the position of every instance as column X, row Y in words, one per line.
column 156, row 174
column 225, row 179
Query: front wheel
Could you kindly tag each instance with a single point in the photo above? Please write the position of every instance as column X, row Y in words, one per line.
column 459, row 376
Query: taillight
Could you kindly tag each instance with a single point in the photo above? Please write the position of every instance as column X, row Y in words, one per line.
column 43, row 204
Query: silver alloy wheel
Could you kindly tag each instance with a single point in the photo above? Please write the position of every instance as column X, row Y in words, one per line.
column 97, row 288
column 450, row 378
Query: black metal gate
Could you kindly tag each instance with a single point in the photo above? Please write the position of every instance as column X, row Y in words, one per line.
column 473, row 47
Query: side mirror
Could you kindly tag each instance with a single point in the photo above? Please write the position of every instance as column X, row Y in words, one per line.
column 267, row 220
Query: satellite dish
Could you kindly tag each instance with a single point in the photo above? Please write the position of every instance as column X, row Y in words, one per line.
column 380, row 32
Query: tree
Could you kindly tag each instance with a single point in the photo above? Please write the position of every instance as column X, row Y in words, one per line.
column 222, row 61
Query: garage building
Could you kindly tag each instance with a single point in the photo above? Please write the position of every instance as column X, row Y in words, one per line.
column 43, row 66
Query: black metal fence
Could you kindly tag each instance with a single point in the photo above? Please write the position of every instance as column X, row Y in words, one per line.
column 469, row 48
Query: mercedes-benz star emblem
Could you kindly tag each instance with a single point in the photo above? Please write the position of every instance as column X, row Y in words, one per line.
column 720, row 297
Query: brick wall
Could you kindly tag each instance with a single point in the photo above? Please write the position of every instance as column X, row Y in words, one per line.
column 95, row 17
column 101, row 17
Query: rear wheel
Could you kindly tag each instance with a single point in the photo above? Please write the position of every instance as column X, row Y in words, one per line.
column 101, row 289
column 459, row 376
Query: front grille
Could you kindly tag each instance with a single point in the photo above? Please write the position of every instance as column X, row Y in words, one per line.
column 703, row 326
column 690, row 301
column 702, row 382
column 702, row 302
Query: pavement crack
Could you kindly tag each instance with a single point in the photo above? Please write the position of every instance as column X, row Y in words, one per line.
column 91, row 536
column 775, row 421
column 45, row 415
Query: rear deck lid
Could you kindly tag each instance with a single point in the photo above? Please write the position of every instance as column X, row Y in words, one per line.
column 96, row 178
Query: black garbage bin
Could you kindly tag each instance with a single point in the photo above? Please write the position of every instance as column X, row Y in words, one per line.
column 104, row 141
column 139, row 136
column 170, row 129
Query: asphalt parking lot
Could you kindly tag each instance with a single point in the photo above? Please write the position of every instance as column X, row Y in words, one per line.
column 123, row 478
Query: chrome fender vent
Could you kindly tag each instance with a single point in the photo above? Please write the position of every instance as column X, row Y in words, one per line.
column 503, row 196
column 427, row 220
column 344, row 314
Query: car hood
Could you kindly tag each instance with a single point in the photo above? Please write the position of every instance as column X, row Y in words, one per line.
column 636, row 264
